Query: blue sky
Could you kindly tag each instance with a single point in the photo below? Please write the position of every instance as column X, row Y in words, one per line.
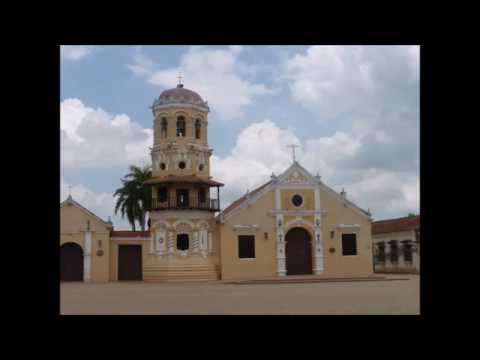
column 354, row 111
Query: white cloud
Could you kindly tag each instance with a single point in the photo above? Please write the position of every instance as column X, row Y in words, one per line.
column 93, row 138
column 213, row 72
column 262, row 148
column 75, row 52
column 336, row 80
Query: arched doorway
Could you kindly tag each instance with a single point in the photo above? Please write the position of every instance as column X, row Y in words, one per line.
column 71, row 262
column 298, row 252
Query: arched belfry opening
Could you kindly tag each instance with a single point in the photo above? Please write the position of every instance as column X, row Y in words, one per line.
column 181, row 128
column 298, row 251
column 198, row 128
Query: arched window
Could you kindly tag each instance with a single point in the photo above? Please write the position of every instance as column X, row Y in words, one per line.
column 164, row 128
column 198, row 126
column 181, row 126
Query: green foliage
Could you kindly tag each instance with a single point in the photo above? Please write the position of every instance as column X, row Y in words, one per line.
column 133, row 197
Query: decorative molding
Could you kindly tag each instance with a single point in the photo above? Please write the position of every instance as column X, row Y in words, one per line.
column 240, row 227
column 295, row 212
column 350, row 227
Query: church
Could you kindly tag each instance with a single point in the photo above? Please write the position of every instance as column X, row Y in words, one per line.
column 293, row 224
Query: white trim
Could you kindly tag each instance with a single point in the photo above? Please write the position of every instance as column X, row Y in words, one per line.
column 125, row 238
column 281, row 183
column 245, row 227
column 349, row 227
column 183, row 221
column 299, row 221
column 87, row 257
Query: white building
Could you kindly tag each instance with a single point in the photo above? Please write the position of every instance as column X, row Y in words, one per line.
column 397, row 245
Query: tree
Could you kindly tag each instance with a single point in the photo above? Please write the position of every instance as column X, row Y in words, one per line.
column 133, row 197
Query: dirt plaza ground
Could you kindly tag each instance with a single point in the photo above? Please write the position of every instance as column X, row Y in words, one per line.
column 384, row 297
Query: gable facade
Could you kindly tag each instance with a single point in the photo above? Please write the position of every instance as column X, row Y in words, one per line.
column 269, row 214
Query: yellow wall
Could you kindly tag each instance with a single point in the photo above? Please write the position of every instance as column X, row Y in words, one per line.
column 307, row 195
column 73, row 221
column 264, row 263
column 337, row 213
column 114, row 244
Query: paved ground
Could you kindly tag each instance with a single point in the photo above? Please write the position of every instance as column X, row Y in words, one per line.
column 375, row 297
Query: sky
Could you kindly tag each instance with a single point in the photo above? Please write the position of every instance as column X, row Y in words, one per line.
column 353, row 110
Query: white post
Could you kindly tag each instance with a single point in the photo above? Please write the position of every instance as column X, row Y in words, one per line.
column 152, row 241
column 195, row 242
column 317, row 242
column 210, row 242
column 171, row 243
column 281, row 265
column 87, row 258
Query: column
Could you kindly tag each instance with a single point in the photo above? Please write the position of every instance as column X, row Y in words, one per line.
column 281, row 264
column 87, row 258
column 195, row 242
column 210, row 242
column 317, row 242
column 318, row 253
column 171, row 243
column 152, row 242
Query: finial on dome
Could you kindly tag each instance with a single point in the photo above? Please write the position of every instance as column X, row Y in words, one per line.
column 179, row 77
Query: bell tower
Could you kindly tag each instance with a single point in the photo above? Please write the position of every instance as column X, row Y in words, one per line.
column 183, row 201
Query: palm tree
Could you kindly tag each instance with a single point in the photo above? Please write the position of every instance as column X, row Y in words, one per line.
column 133, row 197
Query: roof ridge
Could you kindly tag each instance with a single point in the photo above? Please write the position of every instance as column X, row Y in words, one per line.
column 237, row 202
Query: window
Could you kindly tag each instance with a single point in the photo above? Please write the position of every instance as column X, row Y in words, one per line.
column 246, row 247
column 381, row 252
column 181, row 126
column 297, row 200
column 201, row 195
column 162, row 194
column 162, row 166
column 182, row 241
column 182, row 164
column 201, row 167
column 198, row 126
column 164, row 128
column 393, row 251
column 407, row 251
column 182, row 198
column 349, row 244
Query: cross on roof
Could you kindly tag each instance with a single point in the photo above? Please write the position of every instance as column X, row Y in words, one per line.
column 293, row 150
column 179, row 77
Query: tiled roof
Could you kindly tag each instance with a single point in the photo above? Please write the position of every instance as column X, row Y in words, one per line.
column 132, row 234
column 396, row 225
column 185, row 179
column 239, row 201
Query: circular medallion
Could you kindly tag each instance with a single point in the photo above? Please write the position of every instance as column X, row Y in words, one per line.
column 100, row 252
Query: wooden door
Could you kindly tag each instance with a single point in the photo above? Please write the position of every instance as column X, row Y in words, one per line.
column 298, row 252
column 130, row 262
column 71, row 262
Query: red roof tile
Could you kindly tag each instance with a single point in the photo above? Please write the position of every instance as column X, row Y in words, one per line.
column 130, row 234
column 395, row 225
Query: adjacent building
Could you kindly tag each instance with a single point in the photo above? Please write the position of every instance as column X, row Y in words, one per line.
column 397, row 244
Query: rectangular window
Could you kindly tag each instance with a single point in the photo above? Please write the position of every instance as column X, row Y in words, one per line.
column 349, row 244
column 393, row 251
column 162, row 194
column 201, row 195
column 246, row 246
